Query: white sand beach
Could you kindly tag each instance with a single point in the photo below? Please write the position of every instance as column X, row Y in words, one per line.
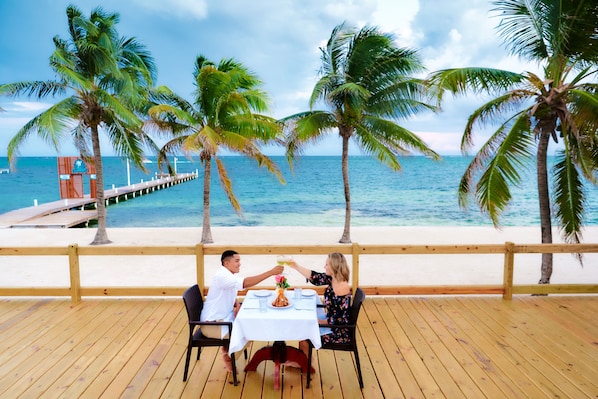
column 33, row 271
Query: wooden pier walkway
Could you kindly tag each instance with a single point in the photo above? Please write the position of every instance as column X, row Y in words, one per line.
column 71, row 212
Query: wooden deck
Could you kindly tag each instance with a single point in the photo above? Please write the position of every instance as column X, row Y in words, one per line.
column 411, row 347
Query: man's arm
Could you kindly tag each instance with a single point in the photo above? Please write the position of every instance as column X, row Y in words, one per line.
column 254, row 280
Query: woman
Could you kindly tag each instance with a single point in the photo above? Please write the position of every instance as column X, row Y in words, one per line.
column 337, row 297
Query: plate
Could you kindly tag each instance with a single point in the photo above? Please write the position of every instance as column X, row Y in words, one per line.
column 262, row 293
column 308, row 292
column 280, row 307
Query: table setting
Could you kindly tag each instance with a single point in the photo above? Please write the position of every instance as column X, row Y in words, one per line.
column 277, row 315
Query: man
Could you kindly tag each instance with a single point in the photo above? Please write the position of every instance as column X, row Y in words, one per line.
column 221, row 302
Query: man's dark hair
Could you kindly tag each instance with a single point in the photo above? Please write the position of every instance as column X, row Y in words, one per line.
column 227, row 254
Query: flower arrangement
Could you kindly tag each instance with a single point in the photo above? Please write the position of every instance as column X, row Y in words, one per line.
column 281, row 281
column 281, row 300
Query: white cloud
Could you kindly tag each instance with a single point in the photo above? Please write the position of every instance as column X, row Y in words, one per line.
column 25, row 106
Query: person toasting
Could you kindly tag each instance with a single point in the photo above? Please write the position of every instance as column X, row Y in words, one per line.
column 221, row 302
column 337, row 297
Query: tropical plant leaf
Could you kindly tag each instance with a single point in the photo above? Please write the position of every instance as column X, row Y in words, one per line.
column 569, row 197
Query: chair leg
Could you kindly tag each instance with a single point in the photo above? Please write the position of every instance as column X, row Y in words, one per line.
column 235, row 381
column 309, row 365
column 187, row 359
column 358, row 368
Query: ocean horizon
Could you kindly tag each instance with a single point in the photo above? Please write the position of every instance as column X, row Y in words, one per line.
column 424, row 193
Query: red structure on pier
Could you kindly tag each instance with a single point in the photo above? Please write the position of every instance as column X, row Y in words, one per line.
column 70, row 177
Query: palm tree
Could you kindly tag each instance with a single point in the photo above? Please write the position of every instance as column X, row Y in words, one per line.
column 532, row 111
column 220, row 118
column 108, row 77
column 365, row 83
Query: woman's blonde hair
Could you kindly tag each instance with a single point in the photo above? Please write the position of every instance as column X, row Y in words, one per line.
column 338, row 266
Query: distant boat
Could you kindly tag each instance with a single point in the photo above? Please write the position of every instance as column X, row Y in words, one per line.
column 147, row 161
column 4, row 171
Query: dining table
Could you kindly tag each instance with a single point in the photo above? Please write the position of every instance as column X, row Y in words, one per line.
column 295, row 322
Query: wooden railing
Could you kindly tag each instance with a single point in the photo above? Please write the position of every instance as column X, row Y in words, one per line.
column 355, row 251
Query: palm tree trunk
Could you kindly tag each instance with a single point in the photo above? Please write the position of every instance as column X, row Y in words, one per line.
column 346, row 238
column 206, row 233
column 544, row 200
column 101, row 236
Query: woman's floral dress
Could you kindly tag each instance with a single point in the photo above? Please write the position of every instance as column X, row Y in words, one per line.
column 338, row 309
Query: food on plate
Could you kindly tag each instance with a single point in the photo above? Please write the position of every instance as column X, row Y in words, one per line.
column 281, row 300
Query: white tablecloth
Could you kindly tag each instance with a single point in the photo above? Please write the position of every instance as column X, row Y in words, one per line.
column 275, row 324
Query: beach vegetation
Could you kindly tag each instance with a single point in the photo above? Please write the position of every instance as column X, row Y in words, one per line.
column 366, row 85
column 103, row 81
column 226, row 114
column 530, row 112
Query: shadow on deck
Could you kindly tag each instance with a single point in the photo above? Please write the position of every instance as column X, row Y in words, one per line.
column 411, row 347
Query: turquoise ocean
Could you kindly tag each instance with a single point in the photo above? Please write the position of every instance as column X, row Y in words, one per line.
column 424, row 193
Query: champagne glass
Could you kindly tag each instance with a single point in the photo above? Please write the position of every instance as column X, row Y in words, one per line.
column 283, row 260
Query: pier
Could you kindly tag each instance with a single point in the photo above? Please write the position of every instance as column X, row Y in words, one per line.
column 71, row 212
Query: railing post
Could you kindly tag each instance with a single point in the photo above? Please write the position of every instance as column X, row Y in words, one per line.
column 75, row 275
column 200, row 270
column 508, row 271
column 355, row 262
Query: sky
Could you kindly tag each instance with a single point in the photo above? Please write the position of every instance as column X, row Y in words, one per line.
column 279, row 40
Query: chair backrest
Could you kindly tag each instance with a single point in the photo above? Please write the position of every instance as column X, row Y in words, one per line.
column 193, row 302
column 358, row 298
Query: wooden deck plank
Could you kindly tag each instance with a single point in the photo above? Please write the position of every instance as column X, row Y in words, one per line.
column 464, row 360
column 135, row 359
column 168, row 365
column 382, row 351
column 48, row 349
column 415, row 328
column 128, row 325
column 133, row 340
column 397, row 340
column 582, row 326
column 35, row 344
column 71, row 354
column 476, row 346
column 456, row 377
column 525, row 359
column 484, row 347
column 529, row 332
column 63, row 219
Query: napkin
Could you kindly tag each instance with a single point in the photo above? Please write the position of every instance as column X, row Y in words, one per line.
column 304, row 305
column 251, row 303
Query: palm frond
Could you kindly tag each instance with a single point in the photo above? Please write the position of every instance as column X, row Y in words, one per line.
column 493, row 111
column 397, row 139
column 569, row 197
column 400, row 99
column 501, row 167
column 39, row 89
column 51, row 126
column 227, row 186
column 460, row 81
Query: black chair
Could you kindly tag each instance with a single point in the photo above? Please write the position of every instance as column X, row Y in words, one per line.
column 194, row 305
column 350, row 346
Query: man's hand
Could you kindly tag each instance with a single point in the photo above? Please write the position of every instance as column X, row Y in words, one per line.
column 277, row 270
column 236, row 308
